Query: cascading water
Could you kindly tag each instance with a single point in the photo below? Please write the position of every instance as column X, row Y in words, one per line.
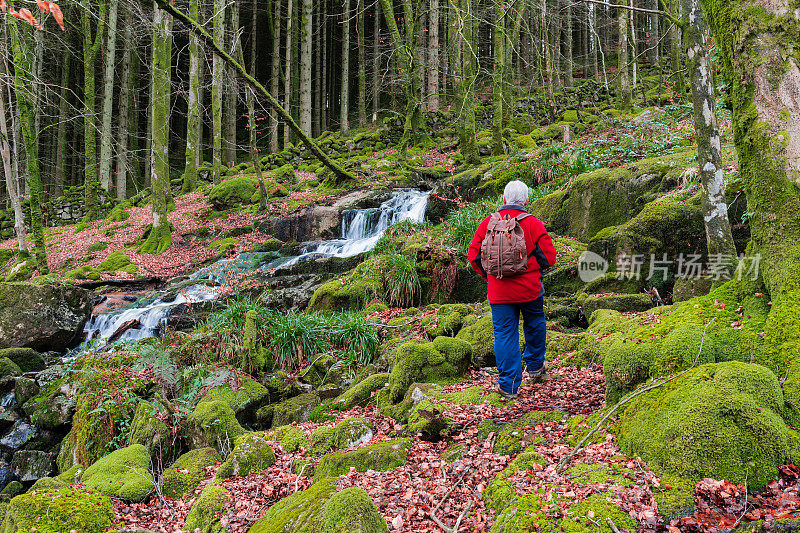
column 361, row 231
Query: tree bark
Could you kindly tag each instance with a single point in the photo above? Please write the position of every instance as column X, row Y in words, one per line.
column 498, row 71
column 569, row 65
column 376, row 62
column 123, row 129
column 625, row 94
column 287, row 70
column 719, row 237
column 106, row 135
column 230, row 113
column 91, row 46
column 275, row 74
column 675, row 51
column 216, row 92
column 23, row 82
column 344, row 106
column 160, row 237
column 434, row 63
column 362, row 66
column 306, row 35
column 193, row 118
column 60, row 165
column 463, row 59
column 759, row 63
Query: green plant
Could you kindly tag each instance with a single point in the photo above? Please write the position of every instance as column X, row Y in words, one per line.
column 400, row 279
column 463, row 223
column 294, row 337
column 352, row 333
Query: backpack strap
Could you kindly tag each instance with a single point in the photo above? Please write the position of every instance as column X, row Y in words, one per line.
column 522, row 216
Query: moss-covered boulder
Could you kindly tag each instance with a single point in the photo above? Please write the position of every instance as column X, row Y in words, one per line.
column 207, row 509
column 118, row 261
column 53, row 406
column 234, row 192
column 352, row 292
column 361, row 392
column 42, row 316
column 63, row 509
column 617, row 302
column 124, row 473
column 150, row 431
column 321, row 509
column 380, row 456
column 290, row 438
column 719, row 420
column 251, row 454
column 212, row 424
column 480, row 336
column 27, row 359
column 244, row 399
column 444, row 357
column 297, row 409
column 187, row 471
column 25, row 389
column 8, row 369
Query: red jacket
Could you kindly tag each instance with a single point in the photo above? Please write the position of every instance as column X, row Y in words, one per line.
column 541, row 255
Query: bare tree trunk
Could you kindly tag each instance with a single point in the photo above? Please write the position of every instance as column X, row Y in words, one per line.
column 434, row 63
column 106, row 135
column 275, row 74
column 306, row 34
column 719, row 237
column 654, row 29
column 675, row 51
column 362, row 65
column 344, row 107
column 60, row 170
column 498, row 71
column 124, row 106
column 218, row 17
column 625, row 95
column 569, row 65
column 230, row 113
column 287, row 70
column 461, row 31
column 319, row 88
column 160, row 237
column 376, row 63
column 12, row 181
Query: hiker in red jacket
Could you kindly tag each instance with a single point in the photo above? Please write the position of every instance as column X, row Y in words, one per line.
column 515, row 288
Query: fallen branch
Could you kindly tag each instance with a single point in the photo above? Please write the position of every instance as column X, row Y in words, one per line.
column 198, row 30
column 641, row 390
column 441, row 524
column 612, row 525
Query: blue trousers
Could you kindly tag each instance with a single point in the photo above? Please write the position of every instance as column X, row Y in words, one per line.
column 505, row 320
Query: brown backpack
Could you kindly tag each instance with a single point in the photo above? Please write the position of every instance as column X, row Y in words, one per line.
column 503, row 251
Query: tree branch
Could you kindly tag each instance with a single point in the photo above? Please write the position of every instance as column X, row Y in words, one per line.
column 632, row 8
column 195, row 27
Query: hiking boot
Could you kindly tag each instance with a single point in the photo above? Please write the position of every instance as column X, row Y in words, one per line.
column 538, row 376
column 507, row 395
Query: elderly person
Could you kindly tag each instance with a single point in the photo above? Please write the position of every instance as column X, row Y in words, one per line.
column 521, row 292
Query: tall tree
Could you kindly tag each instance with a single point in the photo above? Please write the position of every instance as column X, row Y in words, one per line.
column 23, row 82
column 275, row 73
column 91, row 46
column 193, row 118
column 125, row 107
column 344, row 106
column 498, row 45
column 376, row 62
column 463, row 60
column 106, row 135
column 287, row 71
column 719, row 237
column 160, row 237
column 625, row 93
column 675, row 49
column 760, row 66
column 306, row 37
column 569, row 65
column 403, row 48
column 217, row 66
column 60, row 165
column 433, row 56
column 231, row 94
column 9, row 170
column 362, row 66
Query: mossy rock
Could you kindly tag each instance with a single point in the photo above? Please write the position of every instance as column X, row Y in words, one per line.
column 252, row 453
column 223, row 246
column 8, row 369
column 150, row 431
column 617, row 302
column 321, row 509
column 285, row 174
column 124, row 473
column 244, row 399
column 59, row 510
column 27, row 359
column 115, row 261
column 444, row 357
column 187, row 471
column 290, row 438
column 360, row 393
column 576, row 516
column 53, row 406
column 480, row 336
column 720, row 420
column 15, row 488
column 207, row 509
column 352, row 292
column 212, row 424
column 234, row 192
column 381, row 456
column 297, row 409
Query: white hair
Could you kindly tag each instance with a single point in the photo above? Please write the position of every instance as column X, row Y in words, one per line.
column 515, row 193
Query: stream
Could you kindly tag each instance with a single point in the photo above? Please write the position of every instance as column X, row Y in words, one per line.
column 361, row 230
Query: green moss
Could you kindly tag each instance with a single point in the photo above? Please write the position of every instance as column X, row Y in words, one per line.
column 480, row 336
column 617, row 302
column 298, row 512
column 380, row 456
column 675, row 496
column 425, row 362
column 207, row 509
column 149, row 430
column 56, row 511
column 351, row 511
column 116, row 260
column 290, row 438
column 214, row 424
column 234, row 192
column 600, row 473
column 124, row 473
column 8, row 368
column 720, row 420
column 118, row 214
column 321, row 441
column 223, row 245
column 570, row 116
column 187, row 471
column 251, row 454
column 352, row 292
column 577, row 519
column 361, row 393
column 297, row 409
column 352, row 432
column 158, row 240
column 244, row 399
column 14, row 488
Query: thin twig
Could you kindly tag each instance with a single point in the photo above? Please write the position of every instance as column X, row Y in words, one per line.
column 641, row 390
column 612, row 525
column 433, row 513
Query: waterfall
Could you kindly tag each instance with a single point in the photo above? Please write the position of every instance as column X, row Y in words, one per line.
column 361, row 231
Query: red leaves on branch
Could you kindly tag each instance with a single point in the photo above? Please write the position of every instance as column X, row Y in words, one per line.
column 26, row 15
column 46, row 7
